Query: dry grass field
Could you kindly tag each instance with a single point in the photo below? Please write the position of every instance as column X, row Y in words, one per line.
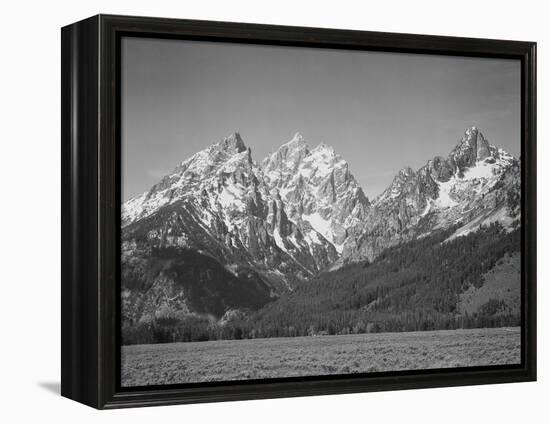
column 323, row 355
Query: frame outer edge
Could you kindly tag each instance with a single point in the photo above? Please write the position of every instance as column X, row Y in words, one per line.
column 80, row 372
column 531, row 207
column 90, row 189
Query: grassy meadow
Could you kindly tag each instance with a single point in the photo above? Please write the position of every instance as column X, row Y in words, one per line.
column 222, row 360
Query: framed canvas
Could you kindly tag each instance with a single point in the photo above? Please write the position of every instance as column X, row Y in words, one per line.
column 253, row 211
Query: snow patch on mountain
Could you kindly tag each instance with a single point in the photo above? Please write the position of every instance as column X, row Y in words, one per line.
column 320, row 224
column 323, row 227
column 444, row 199
column 231, row 196
column 429, row 203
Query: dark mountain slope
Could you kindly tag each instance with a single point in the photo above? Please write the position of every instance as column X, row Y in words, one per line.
column 179, row 289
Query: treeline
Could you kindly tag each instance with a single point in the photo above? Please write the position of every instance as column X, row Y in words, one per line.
column 191, row 328
column 411, row 287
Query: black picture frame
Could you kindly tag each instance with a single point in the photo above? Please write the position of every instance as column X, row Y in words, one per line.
column 91, row 194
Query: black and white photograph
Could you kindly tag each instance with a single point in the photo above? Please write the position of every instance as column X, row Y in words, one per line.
column 292, row 212
column 276, row 212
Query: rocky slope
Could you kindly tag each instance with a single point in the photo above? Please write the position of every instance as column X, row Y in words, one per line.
column 317, row 189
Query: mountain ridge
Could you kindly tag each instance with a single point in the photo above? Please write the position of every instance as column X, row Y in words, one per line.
column 297, row 213
column 445, row 191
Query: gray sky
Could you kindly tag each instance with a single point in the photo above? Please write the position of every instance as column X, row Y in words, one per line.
column 380, row 111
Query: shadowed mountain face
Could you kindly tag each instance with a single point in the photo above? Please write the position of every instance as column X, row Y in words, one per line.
column 223, row 232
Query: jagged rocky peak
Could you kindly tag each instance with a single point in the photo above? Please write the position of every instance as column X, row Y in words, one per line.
column 296, row 143
column 317, row 188
column 472, row 147
column 297, row 139
column 212, row 157
column 400, row 185
column 405, row 173
column 295, row 154
column 233, row 142
column 475, row 184
column 473, row 151
column 324, row 148
column 287, row 157
column 474, row 138
column 325, row 159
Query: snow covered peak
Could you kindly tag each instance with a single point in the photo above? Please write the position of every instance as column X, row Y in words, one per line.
column 297, row 142
column 473, row 166
column 209, row 169
column 447, row 187
column 286, row 158
column 406, row 171
column 230, row 149
column 472, row 130
column 324, row 149
column 318, row 188
column 298, row 138
column 294, row 160
column 321, row 162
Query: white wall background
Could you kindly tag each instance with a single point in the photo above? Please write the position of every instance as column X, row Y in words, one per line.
column 30, row 212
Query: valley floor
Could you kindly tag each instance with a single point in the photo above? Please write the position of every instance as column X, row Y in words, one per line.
column 174, row 363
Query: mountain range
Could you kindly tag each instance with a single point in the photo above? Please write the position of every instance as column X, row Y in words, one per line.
column 222, row 232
